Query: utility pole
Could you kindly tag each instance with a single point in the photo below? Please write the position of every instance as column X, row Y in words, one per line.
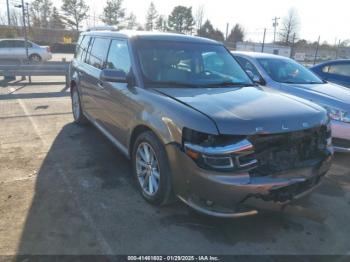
column 275, row 25
column 292, row 49
column 28, row 21
column 263, row 43
column 24, row 26
column 8, row 13
column 227, row 25
column 316, row 53
column 337, row 52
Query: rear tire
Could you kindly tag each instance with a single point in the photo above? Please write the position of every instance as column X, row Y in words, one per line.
column 77, row 110
column 35, row 58
column 157, row 190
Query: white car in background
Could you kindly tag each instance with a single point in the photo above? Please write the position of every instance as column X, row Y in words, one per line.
column 15, row 49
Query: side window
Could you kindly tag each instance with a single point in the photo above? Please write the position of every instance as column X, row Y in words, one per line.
column 82, row 48
column 10, row 43
column 119, row 56
column 3, row 44
column 247, row 66
column 97, row 54
column 325, row 69
column 18, row 44
column 340, row 69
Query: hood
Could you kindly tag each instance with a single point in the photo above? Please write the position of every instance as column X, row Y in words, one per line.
column 324, row 94
column 250, row 110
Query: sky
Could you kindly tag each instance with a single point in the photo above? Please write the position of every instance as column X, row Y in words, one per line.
column 328, row 19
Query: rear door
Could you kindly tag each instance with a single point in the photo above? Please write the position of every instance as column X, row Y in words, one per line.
column 5, row 49
column 18, row 49
column 90, row 79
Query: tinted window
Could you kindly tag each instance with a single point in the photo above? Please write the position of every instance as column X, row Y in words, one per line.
column 341, row 69
column 82, row 48
column 98, row 53
column 287, row 71
column 119, row 57
column 188, row 63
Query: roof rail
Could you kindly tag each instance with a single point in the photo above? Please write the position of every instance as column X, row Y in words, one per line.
column 102, row 28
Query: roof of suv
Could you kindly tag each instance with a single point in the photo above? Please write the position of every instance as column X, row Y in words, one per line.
column 152, row 36
column 258, row 55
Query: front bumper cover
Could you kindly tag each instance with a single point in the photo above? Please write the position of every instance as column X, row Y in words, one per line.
column 238, row 194
column 341, row 131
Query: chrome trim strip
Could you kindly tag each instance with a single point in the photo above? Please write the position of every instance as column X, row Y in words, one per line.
column 225, row 150
column 115, row 142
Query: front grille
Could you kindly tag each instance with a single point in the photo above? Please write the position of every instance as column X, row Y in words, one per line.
column 280, row 152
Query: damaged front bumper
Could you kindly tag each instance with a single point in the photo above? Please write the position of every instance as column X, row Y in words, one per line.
column 341, row 136
column 237, row 194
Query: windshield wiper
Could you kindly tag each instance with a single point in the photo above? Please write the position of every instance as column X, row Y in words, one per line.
column 229, row 83
column 171, row 83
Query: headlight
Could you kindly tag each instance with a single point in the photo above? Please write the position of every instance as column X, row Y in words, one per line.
column 222, row 153
column 338, row 115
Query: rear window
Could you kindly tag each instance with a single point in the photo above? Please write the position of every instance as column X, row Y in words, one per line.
column 340, row 69
column 82, row 48
column 98, row 53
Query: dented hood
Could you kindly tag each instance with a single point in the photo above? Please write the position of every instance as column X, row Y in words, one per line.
column 250, row 110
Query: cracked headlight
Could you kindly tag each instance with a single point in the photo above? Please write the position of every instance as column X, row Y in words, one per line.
column 338, row 115
column 218, row 152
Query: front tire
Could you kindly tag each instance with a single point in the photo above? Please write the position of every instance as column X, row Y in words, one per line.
column 77, row 110
column 151, row 169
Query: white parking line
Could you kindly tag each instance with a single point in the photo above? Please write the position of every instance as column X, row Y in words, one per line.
column 106, row 248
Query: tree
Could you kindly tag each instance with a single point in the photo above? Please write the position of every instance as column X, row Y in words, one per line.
column 181, row 20
column 41, row 11
column 75, row 12
column 151, row 17
column 161, row 24
column 114, row 13
column 199, row 16
column 290, row 26
column 236, row 35
column 131, row 22
column 208, row 31
column 56, row 20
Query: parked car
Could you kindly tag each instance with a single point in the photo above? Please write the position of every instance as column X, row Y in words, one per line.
column 15, row 49
column 336, row 71
column 194, row 125
column 286, row 75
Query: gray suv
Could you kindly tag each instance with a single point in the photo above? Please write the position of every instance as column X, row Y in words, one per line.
column 195, row 126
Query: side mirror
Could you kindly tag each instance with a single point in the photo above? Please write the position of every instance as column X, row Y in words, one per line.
column 112, row 75
column 256, row 78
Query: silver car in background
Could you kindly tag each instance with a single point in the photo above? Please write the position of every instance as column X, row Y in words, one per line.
column 15, row 49
column 286, row 75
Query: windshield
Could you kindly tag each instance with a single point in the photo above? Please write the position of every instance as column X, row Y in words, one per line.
column 288, row 71
column 189, row 64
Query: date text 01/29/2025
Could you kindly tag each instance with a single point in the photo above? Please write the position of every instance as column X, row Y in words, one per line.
column 173, row 258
